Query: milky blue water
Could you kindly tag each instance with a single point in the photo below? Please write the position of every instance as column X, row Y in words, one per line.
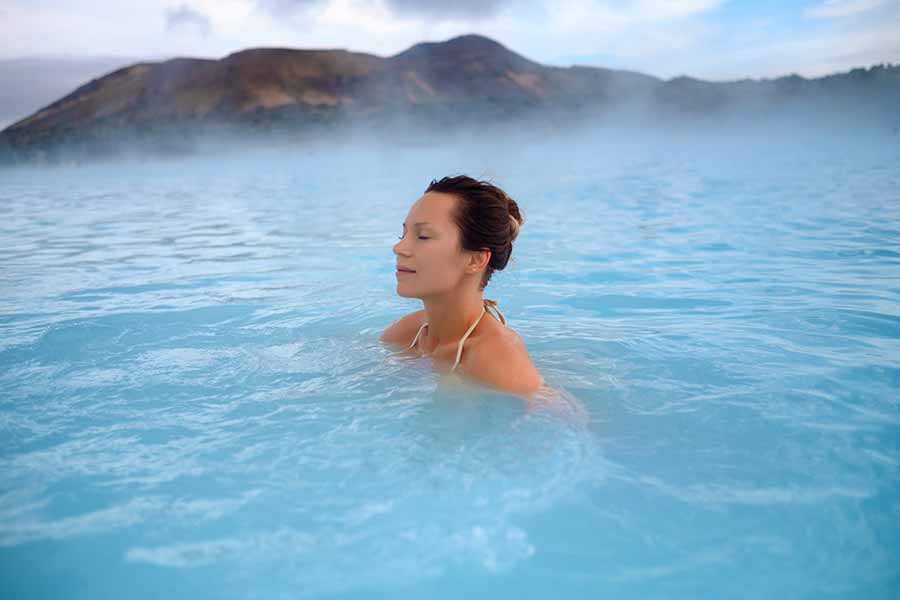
column 194, row 403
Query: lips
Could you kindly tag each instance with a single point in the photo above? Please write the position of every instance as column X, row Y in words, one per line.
column 404, row 269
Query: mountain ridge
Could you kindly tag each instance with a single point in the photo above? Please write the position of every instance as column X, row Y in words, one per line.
column 469, row 79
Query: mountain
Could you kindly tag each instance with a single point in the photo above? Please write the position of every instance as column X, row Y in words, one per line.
column 26, row 83
column 469, row 80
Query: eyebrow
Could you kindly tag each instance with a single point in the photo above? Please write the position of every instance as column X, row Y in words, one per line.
column 418, row 223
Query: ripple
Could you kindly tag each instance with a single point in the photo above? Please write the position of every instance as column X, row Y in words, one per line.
column 190, row 378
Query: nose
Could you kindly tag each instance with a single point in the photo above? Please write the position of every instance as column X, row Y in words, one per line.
column 399, row 247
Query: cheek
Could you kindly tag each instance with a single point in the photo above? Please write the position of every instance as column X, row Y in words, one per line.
column 444, row 255
column 450, row 265
column 439, row 255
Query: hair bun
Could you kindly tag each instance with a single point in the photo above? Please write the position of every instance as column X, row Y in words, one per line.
column 515, row 218
column 513, row 228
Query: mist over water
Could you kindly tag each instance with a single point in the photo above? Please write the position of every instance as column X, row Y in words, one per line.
column 193, row 400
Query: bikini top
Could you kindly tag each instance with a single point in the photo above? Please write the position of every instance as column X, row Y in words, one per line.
column 487, row 303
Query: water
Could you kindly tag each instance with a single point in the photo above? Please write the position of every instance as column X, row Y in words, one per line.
column 193, row 401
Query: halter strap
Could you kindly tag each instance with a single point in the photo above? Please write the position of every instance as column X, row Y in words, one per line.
column 492, row 304
column 488, row 304
column 415, row 339
column 463, row 339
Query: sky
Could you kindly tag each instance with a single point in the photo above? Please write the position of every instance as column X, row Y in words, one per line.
column 708, row 39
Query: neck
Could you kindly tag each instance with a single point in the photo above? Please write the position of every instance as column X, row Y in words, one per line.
column 450, row 316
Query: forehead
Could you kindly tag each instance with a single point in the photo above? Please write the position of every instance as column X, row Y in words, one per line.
column 434, row 207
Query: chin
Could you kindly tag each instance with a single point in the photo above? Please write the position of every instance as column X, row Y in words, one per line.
column 404, row 293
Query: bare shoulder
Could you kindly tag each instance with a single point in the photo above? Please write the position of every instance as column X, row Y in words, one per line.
column 502, row 361
column 403, row 329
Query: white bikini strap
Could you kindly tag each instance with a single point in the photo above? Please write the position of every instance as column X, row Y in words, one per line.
column 465, row 335
column 417, row 335
column 492, row 304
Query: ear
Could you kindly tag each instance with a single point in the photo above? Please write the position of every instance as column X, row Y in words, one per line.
column 479, row 259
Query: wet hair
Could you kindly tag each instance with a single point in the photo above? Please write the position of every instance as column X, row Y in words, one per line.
column 486, row 216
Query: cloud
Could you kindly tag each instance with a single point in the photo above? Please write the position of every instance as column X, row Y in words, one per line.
column 441, row 9
column 185, row 18
column 653, row 36
column 831, row 9
column 701, row 38
column 812, row 56
column 283, row 8
column 611, row 15
column 434, row 10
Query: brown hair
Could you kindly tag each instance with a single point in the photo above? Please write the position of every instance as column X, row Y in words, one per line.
column 486, row 216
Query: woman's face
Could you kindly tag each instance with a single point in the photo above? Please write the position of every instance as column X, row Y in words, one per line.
column 430, row 245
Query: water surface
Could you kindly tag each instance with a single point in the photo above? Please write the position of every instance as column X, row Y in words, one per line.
column 194, row 403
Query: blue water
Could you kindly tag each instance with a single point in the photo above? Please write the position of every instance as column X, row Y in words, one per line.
column 194, row 403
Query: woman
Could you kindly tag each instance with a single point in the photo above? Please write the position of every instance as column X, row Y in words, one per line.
column 454, row 237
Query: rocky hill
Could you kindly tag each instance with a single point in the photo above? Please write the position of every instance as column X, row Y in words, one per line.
column 468, row 80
